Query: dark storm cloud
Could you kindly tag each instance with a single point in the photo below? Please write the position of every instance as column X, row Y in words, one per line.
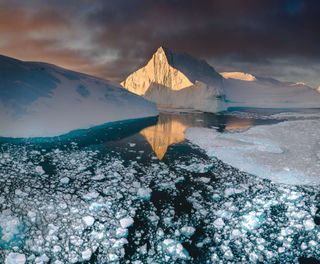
column 112, row 38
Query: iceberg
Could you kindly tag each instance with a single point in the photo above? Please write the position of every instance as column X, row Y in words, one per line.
column 42, row 100
column 178, row 80
column 246, row 90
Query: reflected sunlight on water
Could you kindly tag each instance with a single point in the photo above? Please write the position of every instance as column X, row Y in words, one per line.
column 170, row 129
column 166, row 132
column 236, row 124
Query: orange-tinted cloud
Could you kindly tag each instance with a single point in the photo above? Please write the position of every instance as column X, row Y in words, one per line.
column 246, row 35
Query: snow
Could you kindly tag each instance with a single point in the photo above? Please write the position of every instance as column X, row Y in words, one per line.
column 41, row 100
column 286, row 152
column 15, row 258
column 248, row 91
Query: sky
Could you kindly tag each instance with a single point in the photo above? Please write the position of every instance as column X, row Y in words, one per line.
column 112, row 38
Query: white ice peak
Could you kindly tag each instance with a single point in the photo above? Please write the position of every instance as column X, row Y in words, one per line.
column 239, row 76
column 177, row 80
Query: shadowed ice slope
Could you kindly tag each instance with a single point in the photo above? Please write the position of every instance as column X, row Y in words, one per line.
column 39, row 99
column 246, row 90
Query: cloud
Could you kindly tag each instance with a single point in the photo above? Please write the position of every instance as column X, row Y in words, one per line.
column 112, row 38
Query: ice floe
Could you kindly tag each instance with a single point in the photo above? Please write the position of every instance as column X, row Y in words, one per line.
column 286, row 152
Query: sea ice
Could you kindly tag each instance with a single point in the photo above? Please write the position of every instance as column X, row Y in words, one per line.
column 188, row 231
column 285, row 152
column 88, row 220
column 175, row 249
column 15, row 258
column 126, row 222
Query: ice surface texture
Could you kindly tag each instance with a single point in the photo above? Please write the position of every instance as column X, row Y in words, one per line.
column 199, row 210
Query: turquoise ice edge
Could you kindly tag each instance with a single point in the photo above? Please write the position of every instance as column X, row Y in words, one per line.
column 96, row 133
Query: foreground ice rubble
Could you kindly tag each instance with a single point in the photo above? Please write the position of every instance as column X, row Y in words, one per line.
column 193, row 209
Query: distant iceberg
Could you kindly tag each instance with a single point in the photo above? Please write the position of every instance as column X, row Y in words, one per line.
column 179, row 81
column 246, row 90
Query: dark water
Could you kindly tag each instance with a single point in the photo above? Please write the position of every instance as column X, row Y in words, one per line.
column 186, row 207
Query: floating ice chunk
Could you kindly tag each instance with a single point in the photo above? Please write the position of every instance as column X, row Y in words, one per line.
column 65, row 180
column 309, row 224
column 97, row 235
column 39, row 170
column 42, row 259
column 218, row 223
column 204, row 179
column 121, row 232
column 15, row 258
column 98, row 177
column 56, row 249
column 20, row 193
column 227, row 252
column 253, row 257
column 303, row 246
column 9, row 226
column 312, row 243
column 144, row 193
column 113, row 257
column 91, row 195
column 32, row 215
column 86, row 254
column 252, row 221
column 175, row 249
column 236, row 233
column 119, row 243
column 96, row 207
column 88, row 220
column 126, row 222
column 188, row 231
column 232, row 191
